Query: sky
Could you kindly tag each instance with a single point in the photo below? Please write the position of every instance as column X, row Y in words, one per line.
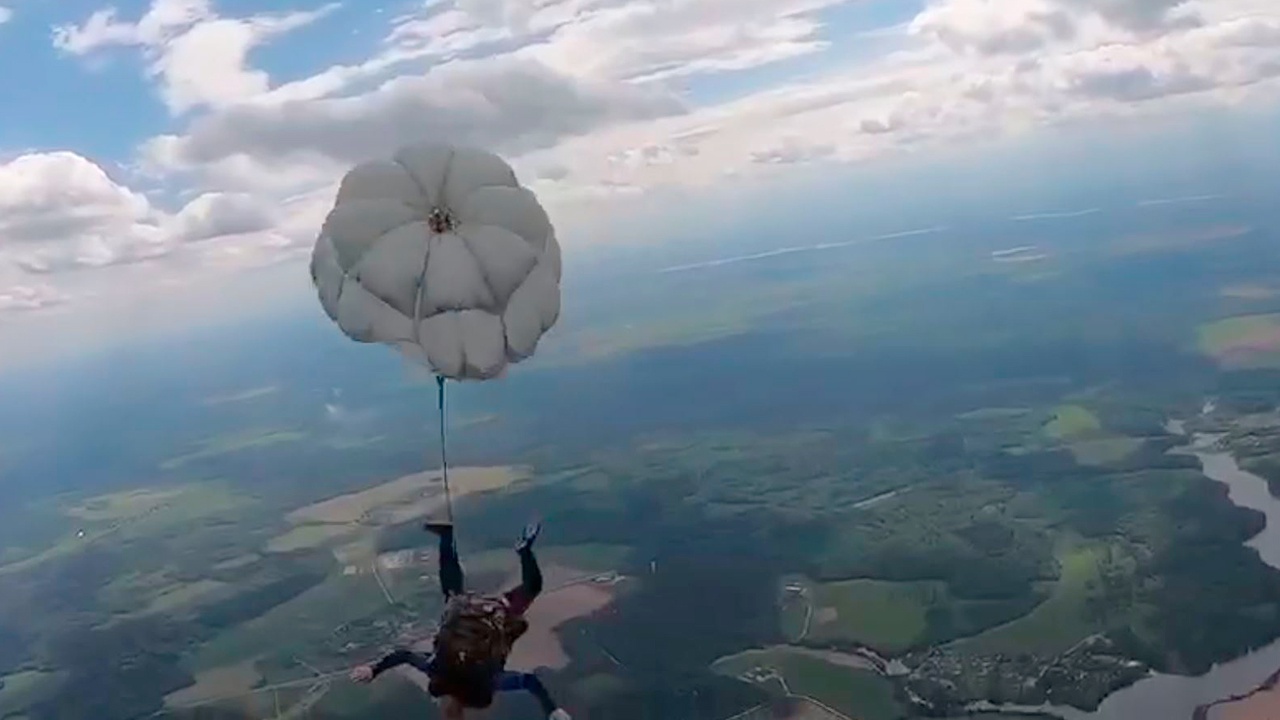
column 170, row 161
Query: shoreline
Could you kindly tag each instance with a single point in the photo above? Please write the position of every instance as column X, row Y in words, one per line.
column 1124, row 703
column 1202, row 711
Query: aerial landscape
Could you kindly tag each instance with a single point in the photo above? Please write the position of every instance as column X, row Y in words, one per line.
column 895, row 507
column 862, row 360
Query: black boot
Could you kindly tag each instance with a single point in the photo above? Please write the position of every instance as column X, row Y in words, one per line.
column 442, row 528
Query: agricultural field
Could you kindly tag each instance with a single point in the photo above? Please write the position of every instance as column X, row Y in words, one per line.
column 322, row 612
column 1105, row 451
column 1245, row 341
column 846, row 685
column 541, row 647
column 217, row 683
column 1060, row 621
column 233, row 443
column 1072, row 422
column 20, row 690
column 139, row 514
column 399, row 501
column 887, row 616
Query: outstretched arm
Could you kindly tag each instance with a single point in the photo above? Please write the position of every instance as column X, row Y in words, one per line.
column 511, row 681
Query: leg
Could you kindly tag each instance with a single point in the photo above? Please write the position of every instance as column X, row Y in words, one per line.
column 519, row 599
column 451, row 580
column 510, row 681
column 396, row 658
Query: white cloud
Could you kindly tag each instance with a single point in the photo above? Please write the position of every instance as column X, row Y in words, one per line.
column 507, row 104
column 585, row 96
column 983, row 27
column 200, row 58
column 6, row 14
column 583, row 90
column 162, row 22
column 30, row 297
column 657, row 39
column 216, row 214
column 1140, row 14
column 43, row 196
column 60, row 211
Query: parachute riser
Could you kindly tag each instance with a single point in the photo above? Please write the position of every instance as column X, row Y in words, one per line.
column 444, row 454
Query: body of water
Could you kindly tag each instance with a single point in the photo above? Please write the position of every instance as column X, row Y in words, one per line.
column 1176, row 697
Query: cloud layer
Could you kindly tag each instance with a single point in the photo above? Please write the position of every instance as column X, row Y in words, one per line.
column 591, row 99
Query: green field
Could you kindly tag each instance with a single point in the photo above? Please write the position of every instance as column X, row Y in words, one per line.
column 994, row 413
column 858, row 693
column 1105, row 451
column 142, row 513
column 1221, row 335
column 234, row 442
column 1244, row 340
column 126, row 505
column 887, row 616
column 1061, row 620
column 1071, row 422
column 183, row 595
column 21, row 690
column 294, row 626
column 586, row 557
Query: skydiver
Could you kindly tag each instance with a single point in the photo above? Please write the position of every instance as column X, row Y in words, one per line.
column 468, row 663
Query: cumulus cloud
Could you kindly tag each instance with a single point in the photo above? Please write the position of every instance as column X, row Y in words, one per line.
column 585, row 87
column 510, row 105
column 984, row 27
column 162, row 22
column 200, row 57
column 1139, row 14
column 49, row 195
column 6, row 14
column 1024, row 27
column 623, row 39
column 965, row 69
column 17, row 298
column 60, row 211
column 792, row 153
column 654, row 39
column 218, row 214
column 586, row 97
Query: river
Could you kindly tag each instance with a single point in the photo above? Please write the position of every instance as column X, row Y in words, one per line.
column 1176, row 697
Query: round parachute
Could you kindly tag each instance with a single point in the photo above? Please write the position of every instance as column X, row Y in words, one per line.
column 440, row 252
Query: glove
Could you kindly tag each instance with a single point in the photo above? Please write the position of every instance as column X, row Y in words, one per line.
column 559, row 715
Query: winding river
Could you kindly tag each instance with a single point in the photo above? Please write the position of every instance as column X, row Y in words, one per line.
column 1176, row 697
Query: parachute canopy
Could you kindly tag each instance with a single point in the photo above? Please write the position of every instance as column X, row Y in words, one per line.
column 440, row 252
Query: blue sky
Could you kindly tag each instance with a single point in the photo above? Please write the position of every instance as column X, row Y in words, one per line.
column 158, row 155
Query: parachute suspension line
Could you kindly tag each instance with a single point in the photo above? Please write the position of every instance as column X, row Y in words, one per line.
column 444, row 456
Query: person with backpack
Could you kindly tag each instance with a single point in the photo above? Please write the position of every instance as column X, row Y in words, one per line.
column 468, row 662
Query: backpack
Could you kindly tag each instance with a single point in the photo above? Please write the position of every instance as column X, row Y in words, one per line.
column 476, row 634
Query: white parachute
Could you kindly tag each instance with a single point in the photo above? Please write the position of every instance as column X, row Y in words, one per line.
column 440, row 252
